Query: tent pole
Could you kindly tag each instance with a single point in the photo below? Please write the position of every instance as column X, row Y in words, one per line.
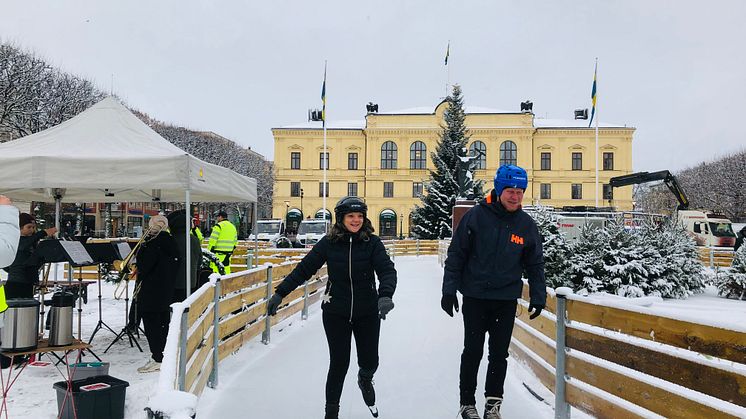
column 188, row 212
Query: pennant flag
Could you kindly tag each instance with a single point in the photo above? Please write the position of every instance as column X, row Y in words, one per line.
column 448, row 50
column 593, row 95
column 323, row 99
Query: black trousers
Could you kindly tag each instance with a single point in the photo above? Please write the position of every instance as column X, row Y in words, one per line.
column 495, row 317
column 156, row 331
column 339, row 330
column 19, row 290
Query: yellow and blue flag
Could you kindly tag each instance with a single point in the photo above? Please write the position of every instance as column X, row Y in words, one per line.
column 593, row 95
column 448, row 50
column 323, row 99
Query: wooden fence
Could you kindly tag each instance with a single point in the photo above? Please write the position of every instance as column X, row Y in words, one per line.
column 411, row 247
column 721, row 257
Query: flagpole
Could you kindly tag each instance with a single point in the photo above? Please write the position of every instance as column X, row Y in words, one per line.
column 595, row 76
column 448, row 69
column 326, row 156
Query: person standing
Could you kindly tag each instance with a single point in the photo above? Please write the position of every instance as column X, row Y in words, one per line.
column 9, row 231
column 23, row 273
column 223, row 240
column 740, row 236
column 351, row 305
column 493, row 245
column 177, row 226
column 157, row 265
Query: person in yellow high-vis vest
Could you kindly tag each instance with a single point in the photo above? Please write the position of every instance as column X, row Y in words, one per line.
column 223, row 240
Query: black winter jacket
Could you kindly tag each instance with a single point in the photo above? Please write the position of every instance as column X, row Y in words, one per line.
column 25, row 268
column 157, row 264
column 490, row 251
column 351, row 262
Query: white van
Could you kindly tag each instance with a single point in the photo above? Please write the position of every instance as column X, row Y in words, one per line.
column 708, row 229
column 571, row 225
column 268, row 230
column 310, row 231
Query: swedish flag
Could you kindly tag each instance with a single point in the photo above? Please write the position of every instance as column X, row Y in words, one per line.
column 323, row 99
column 448, row 50
column 593, row 95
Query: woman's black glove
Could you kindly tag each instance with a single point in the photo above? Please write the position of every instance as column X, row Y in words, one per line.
column 384, row 306
column 273, row 304
column 537, row 308
column 448, row 303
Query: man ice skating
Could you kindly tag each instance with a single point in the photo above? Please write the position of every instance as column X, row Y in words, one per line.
column 493, row 245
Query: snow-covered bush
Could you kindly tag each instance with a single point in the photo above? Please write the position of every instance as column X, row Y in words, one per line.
column 556, row 247
column 733, row 283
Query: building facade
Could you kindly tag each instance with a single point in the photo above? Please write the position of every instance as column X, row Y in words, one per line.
column 385, row 159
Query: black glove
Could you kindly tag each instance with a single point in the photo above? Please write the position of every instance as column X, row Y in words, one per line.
column 273, row 304
column 537, row 307
column 384, row 306
column 448, row 303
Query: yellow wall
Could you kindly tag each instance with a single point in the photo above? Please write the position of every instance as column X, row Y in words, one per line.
column 404, row 129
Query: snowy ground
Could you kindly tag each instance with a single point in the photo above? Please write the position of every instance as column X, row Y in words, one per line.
column 418, row 377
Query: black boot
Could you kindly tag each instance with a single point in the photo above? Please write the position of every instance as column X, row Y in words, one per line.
column 332, row 411
column 365, row 382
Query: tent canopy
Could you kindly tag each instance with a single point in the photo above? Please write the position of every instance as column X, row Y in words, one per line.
column 106, row 154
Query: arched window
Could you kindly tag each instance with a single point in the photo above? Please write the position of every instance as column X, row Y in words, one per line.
column 417, row 155
column 508, row 153
column 388, row 155
column 479, row 151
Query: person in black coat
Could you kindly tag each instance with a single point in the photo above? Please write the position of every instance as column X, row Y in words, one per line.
column 740, row 236
column 23, row 273
column 177, row 226
column 157, row 264
column 351, row 305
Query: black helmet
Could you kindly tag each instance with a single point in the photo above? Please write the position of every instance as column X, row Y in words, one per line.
column 350, row 204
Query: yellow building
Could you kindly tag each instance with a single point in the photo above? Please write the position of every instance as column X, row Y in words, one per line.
column 385, row 159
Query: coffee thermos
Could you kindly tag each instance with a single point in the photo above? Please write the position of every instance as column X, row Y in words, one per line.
column 19, row 332
column 61, row 315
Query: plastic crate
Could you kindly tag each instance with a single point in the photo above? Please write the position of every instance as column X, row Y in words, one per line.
column 107, row 402
column 88, row 369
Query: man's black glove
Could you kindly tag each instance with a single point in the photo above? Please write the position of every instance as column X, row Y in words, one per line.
column 537, row 307
column 384, row 306
column 448, row 303
column 273, row 304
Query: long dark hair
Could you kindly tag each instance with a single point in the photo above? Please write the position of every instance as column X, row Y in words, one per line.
column 338, row 231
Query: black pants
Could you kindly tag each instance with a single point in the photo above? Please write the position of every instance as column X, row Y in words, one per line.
column 497, row 318
column 156, row 331
column 19, row 290
column 339, row 330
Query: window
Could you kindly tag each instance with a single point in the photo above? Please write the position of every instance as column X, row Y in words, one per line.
column 351, row 161
column 608, row 161
column 508, row 153
column 608, row 192
column 324, row 161
column 546, row 161
column 546, row 191
column 417, row 153
column 388, row 155
column 388, row 189
column 321, row 189
column 577, row 161
column 577, row 191
column 294, row 188
column 352, row 189
column 478, row 150
column 295, row 160
column 416, row 189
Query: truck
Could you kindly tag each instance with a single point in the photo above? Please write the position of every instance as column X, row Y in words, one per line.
column 268, row 230
column 708, row 228
column 311, row 230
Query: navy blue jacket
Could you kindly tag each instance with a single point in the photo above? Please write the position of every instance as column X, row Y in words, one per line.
column 490, row 250
column 351, row 262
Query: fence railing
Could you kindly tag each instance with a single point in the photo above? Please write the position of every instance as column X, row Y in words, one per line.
column 720, row 257
column 411, row 247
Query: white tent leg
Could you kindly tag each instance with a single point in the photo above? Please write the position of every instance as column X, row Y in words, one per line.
column 188, row 212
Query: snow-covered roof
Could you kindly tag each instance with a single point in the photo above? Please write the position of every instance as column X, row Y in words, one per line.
column 342, row 124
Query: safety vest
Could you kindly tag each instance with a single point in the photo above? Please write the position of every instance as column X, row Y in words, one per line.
column 224, row 237
column 198, row 234
column 3, row 303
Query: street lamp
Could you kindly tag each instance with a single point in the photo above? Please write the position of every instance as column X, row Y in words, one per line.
column 301, row 201
column 287, row 208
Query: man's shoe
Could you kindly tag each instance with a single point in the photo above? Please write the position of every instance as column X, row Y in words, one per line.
column 492, row 408
column 469, row 412
column 150, row 366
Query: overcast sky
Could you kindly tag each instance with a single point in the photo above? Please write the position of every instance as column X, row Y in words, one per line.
column 675, row 70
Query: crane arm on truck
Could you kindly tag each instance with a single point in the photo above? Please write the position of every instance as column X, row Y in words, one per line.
column 643, row 177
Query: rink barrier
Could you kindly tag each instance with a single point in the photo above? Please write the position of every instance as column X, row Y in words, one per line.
column 411, row 247
column 716, row 257
column 591, row 355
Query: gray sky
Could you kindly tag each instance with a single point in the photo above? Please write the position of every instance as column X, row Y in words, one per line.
column 675, row 70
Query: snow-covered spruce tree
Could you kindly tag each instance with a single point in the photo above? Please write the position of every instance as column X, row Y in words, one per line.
column 432, row 220
column 585, row 264
column 679, row 272
column 556, row 248
column 629, row 262
column 733, row 284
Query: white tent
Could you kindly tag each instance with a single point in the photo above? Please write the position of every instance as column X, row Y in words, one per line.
column 106, row 154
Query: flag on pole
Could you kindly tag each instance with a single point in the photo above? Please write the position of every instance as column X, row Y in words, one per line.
column 448, row 50
column 323, row 99
column 593, row 95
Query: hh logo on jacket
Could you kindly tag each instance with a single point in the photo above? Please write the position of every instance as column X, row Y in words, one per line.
column 516, row 239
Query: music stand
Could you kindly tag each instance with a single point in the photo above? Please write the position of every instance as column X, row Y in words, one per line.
column 126, row 330
column 102, row 253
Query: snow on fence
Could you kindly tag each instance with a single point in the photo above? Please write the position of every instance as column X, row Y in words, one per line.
column 614, row 362
column 217, row 320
